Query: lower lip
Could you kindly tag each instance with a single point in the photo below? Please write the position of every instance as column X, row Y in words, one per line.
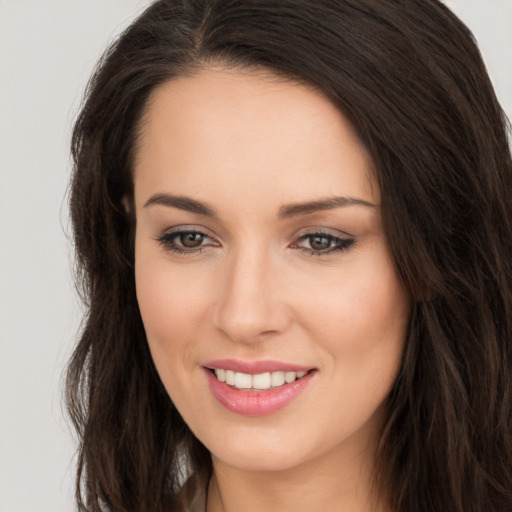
column 256, row 403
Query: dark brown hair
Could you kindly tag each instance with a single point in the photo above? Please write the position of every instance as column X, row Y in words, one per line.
column 409, row 76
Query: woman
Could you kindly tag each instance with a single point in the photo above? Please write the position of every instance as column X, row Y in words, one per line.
column 294, row 234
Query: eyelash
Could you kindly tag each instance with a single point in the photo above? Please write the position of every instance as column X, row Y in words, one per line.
column 339, row 244
column 167, row 240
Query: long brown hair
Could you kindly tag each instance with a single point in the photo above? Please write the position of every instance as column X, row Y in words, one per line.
column 409, row 76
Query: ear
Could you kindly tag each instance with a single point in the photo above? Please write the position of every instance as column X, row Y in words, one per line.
column 128, row 204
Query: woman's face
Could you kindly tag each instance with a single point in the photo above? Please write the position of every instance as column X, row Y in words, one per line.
column 260, row 251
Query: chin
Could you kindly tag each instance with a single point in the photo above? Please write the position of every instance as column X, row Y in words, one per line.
column 266, row 455
column 261, row 463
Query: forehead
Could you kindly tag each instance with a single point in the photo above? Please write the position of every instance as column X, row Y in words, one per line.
column 248, row 133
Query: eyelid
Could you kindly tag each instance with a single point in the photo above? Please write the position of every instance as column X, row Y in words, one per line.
column 319, row 230
column 166, row 236
column 188, row 228
column 342, row 241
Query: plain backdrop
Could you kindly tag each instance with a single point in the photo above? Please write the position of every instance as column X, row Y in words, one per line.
column 47, row 51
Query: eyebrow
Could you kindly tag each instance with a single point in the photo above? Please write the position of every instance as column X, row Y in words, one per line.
column 182, row 203
column 294, row 210
column 285, row 212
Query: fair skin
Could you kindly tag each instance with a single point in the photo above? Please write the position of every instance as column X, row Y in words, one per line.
column 237, row 272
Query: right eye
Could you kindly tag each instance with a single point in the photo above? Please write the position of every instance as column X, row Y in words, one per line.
column 185, row 241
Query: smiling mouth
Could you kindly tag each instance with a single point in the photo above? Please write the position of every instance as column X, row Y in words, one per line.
column 259, row 382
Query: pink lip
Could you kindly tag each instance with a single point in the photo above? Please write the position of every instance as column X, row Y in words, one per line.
column 256, row 403
column 255, row 367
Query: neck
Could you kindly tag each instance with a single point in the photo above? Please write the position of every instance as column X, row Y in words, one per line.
column 330, row 484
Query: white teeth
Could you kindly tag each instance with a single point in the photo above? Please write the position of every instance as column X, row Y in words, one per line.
column 277, row 379
column 290, row 377
column 230, row 377
column 243, row 381
column 221, row 375
column 260, row 381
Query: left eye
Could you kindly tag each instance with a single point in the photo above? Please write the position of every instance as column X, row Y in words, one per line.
column 323, row 243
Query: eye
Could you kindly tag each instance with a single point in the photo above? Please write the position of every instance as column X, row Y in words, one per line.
column 318, row 244
column 185, row 241
column 190, row 240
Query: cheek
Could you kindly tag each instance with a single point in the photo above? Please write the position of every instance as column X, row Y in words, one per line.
column 167, row 293
column 365, row 308
column 360, row 324
column 171, row 307
column 164, row 307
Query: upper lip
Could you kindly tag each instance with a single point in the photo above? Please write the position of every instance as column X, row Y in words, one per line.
column 255, row 367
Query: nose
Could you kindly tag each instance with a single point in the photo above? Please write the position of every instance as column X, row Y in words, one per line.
column 251, row 305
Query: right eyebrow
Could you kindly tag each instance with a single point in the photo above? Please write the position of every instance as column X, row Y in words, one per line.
column 182, row 203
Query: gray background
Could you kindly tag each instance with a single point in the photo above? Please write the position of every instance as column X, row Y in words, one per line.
column 47, row 51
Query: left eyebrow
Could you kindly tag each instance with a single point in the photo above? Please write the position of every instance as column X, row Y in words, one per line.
column 296, row 209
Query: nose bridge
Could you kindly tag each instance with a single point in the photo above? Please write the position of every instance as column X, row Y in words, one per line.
column 248, row 303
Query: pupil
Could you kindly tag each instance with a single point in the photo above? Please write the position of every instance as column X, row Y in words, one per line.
column 320, row 243
column 191, row 239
